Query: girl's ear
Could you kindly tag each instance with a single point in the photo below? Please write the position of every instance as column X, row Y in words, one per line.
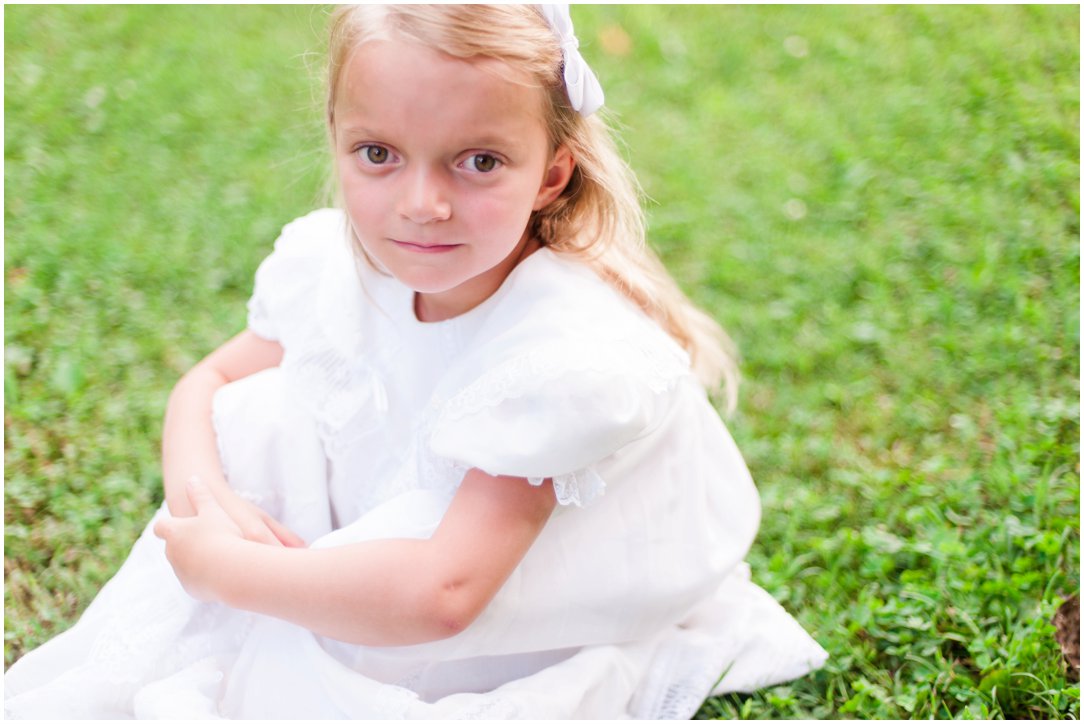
column 556, row 177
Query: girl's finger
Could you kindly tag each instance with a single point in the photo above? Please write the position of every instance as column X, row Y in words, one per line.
column 163, row 528
column 198, row 494
column 260, row 533
column 284, row 534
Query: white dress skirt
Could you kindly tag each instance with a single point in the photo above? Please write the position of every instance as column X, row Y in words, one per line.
column 634, row 602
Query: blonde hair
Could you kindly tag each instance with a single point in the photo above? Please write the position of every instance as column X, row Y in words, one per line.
column 598, row 217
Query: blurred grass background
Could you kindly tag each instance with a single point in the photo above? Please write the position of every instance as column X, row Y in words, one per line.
column 881, row 204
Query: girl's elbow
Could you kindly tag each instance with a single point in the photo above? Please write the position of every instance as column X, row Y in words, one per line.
column 431, row 613
column 454, row 606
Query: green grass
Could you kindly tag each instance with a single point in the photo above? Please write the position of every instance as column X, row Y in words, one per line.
column 881, row 204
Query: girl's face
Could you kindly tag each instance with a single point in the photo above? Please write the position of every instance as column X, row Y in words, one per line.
column 441, row 162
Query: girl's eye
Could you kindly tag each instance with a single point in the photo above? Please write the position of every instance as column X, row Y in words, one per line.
column 482, row 162
column 375, row 155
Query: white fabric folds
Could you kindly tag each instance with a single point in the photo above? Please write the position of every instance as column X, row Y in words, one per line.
column 632, row 602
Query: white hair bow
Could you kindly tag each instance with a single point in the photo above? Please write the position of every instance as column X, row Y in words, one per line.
column 584, row 90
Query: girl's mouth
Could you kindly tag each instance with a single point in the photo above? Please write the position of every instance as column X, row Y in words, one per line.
column 425, row 248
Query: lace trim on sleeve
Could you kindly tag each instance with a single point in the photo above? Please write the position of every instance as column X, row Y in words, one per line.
column 579, row 488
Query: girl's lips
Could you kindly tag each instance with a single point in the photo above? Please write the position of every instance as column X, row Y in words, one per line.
column 426, row 248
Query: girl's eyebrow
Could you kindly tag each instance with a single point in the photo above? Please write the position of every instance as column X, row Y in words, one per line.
column 503, row 142
column 358, row 130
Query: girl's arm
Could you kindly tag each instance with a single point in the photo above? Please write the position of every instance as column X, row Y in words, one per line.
column 376, row 593
column 189, row 447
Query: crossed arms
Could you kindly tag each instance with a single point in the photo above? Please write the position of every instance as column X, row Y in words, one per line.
column 378, row 593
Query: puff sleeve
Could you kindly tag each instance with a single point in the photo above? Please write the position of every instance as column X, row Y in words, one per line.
column 287, row 279
column 557, row 411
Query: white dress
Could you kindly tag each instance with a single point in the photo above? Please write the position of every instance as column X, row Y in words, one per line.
column 633, row 602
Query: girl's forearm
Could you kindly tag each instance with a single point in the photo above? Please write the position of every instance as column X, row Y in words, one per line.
column 189, row 447
column 389, row 592
column 376, row 593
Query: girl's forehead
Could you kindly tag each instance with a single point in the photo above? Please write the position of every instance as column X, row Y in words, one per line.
column 410, row 82
column 387, row 55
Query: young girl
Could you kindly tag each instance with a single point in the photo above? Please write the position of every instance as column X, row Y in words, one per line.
column 462, row 462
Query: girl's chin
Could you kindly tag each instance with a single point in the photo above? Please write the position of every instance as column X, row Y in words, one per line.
column 429, row 286
column 452, row 300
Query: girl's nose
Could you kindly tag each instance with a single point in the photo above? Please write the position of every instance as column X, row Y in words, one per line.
column 424, row 199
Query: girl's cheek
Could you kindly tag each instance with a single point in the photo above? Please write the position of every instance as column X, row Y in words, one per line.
column 500, row 207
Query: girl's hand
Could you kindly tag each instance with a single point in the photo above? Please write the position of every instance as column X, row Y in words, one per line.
column 255, row 523
column 196, row 545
